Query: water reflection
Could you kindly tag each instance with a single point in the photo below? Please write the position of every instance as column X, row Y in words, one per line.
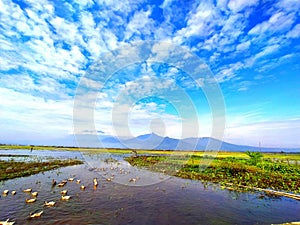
column 37, row 155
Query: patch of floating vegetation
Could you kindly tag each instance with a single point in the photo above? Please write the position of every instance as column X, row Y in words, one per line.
column 110, row 160
column 12, row 169
column 252, row 172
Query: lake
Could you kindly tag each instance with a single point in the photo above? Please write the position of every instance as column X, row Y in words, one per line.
column 127, row 195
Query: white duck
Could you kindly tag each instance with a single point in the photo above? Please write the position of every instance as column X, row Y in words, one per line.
column 51, row 203
column 30, row 200
column 34, row 215
column 7, row 222
column 95, row 182
column 34, row 194
column 64, row 192
column 65, row 197
column 27, row 190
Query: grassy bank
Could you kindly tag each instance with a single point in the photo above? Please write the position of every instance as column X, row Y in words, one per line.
column 264, row 172
column 12, row 169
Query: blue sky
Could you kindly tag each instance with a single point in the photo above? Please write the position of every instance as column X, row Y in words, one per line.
column 251, row 47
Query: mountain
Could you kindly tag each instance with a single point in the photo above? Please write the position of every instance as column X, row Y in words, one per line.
column 207, row 143
column 153, row 141
column 112, row 142
column 156, row 142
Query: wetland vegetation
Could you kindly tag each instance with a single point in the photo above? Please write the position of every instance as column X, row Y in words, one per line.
column 239, row 170
column 12, row 169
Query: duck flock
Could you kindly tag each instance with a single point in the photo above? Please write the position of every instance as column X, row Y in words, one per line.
column 107, row 172
column 33, row 195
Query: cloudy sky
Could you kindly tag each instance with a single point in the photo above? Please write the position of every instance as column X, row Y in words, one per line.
column 52, row 54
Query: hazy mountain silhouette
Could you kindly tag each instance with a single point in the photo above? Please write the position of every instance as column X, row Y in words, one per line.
column 155, row 142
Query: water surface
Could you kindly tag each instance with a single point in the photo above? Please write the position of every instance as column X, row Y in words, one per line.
column 152, row 198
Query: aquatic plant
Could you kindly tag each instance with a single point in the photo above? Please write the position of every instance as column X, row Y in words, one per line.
column 255, row 157
column 253, row 172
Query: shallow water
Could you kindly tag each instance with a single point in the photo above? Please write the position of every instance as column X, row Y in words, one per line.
column 37, row 155
column 152, row 199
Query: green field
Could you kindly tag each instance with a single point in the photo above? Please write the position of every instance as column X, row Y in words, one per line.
column 238, row 170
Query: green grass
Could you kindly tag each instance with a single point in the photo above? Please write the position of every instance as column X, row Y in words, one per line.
column 12, row 169
column 239, row 171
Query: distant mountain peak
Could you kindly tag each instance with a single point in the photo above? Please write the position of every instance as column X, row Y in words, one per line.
column 146, row 136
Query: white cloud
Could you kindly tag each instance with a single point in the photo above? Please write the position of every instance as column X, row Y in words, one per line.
column 228, row 72
column 279, row 22
column 124, row 6
column 5, row 45
column 267, row 51
column 37, row 116
column 294, row 33
column 243, row 46
column 84, row 3
column 200, row 23
column 239, row 5
column 259, row 58
column 18, row 82
column 289, row 5
column 143, row 121
column 166, row 3
column 133, row 120
column 269, row 134
column 147, row 86
column 39, row 54
column 87, row 22
column 66, row 30
column 140, row 24
column 222, row 4
column 224, row 41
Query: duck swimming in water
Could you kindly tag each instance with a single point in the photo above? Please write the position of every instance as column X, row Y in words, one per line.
column 66, row 197
column 5, row 192
column 27, row 190
column 37, row 214
column 52, row 203
column 13, row 192
column 95, row 182
column 7, row 222
column 30, row 200
column 64, row 192
column 61, row 184
column 34, row 194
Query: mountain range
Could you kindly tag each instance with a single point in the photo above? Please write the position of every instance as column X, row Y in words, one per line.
column 155, row 142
